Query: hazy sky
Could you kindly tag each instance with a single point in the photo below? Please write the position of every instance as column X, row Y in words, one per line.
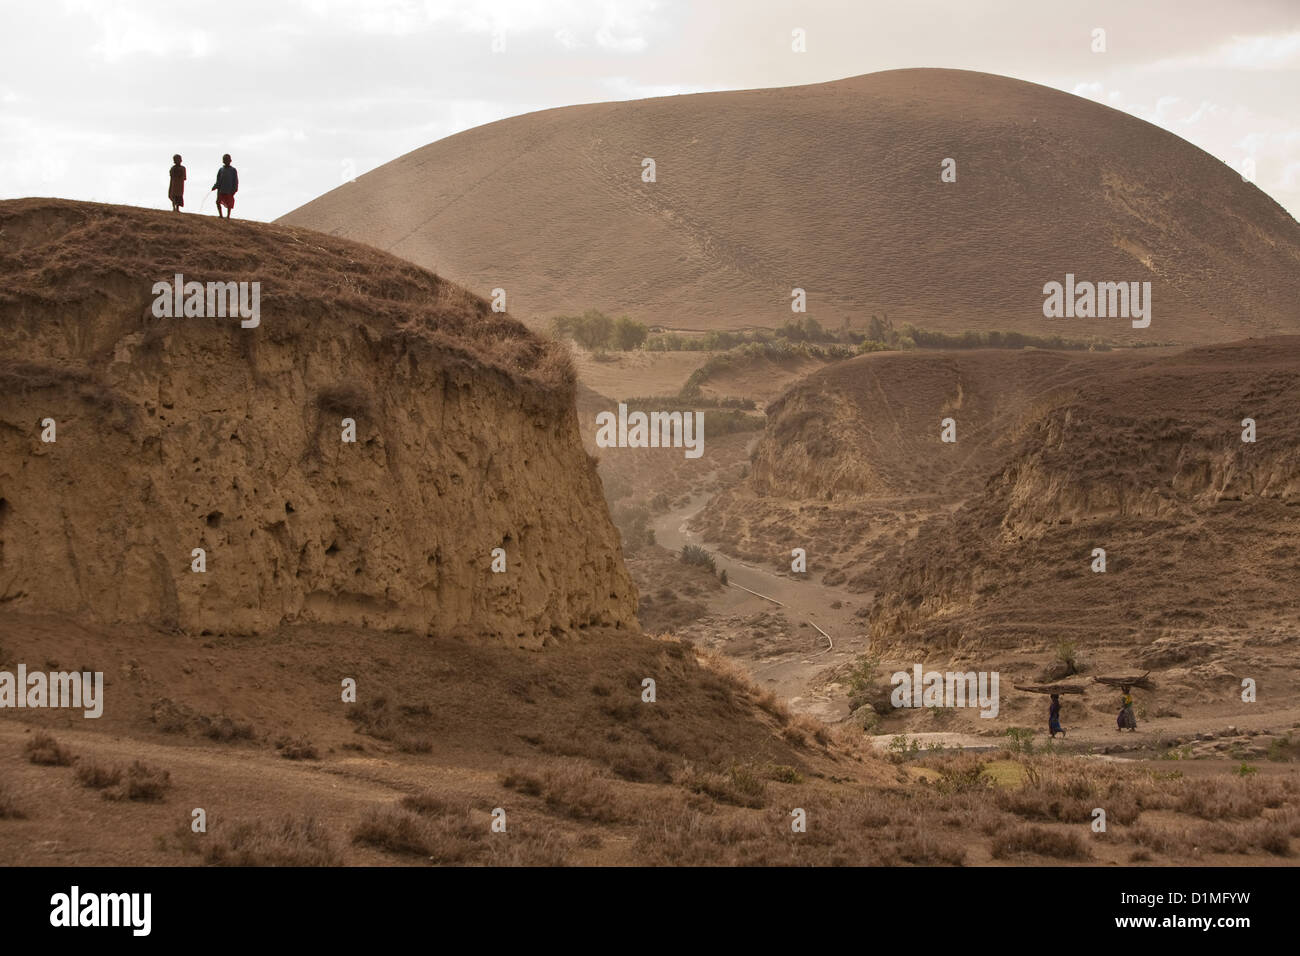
column 95, row 96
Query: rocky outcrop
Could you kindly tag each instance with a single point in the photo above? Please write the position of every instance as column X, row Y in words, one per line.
column 195, row 433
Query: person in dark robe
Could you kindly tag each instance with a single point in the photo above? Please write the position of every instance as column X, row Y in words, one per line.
column 1054, row 717
column 176, row 191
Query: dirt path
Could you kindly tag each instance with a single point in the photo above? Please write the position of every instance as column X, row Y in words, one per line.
column 792, row 676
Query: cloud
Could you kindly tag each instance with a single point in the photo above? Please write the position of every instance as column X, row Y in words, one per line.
column 125, row 32
column 1267, row 52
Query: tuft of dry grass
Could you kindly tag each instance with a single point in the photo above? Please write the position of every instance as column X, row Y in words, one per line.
column 226, row 729
column 426, row 802
column 286, row 841
column 1041, row 841
column 43, row 749
column 9, row 808
column 143, row 783
column 297, row 748
column 1236, row 798
column 574, row 792
column 97, row 776
column 741, row 785
column 447, row 837
column 394, row 830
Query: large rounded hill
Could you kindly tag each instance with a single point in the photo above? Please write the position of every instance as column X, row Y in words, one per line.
column 836, row 188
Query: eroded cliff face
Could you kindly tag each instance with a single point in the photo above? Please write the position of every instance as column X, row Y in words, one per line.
column 870, row 427
column 194, row 433
column 1147, row 463
column 1080, row 463
column 852, row 460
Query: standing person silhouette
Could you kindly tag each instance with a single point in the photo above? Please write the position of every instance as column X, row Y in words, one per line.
column 1054, row 717
column 227, row 185
column 176, row 191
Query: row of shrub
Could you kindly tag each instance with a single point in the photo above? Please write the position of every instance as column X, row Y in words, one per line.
column 721, row 416
column 596, row 331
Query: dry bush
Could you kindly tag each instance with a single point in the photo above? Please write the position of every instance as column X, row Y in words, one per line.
column 405, row 727
column 170, row 717
column 426, row 802
column 45, row 750
column 1040, row 841
column 450, row 837
column 1170, row 841
column 297, row 748
column 226, row 729
column 794, row 735
column 879, row 828
column 143, row 783
column 373, row 718
column 413, row 744
column 1057, row 790
column 639, row 760
column 9, row 809
column 97, row 776
column 393, row 830
column 1271, row 836
column 963, row 773
column 781, row 773
column 555, row 365
column 1230, row 798
column 925, row 849
column 514, row 849
column 741, row 785
column 572, row 791
column 814, row 728
column 525, row 783
column 284, row 842
column 675, row 836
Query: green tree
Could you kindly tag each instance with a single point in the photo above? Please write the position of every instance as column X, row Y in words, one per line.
column 629, row 334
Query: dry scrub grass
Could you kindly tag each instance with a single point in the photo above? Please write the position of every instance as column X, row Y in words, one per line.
column 572, row 791
column 286, row 841
column 440, row 833
column 875, row 830
column 143, row 782
column 97, row 776
column 407, row 727
column 959, row 805
column 226, row 729
column 1040, row 841
column 45, row 750
column 739, row 786
column 9, row 808
column 1271, row 836
column 297, row 748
